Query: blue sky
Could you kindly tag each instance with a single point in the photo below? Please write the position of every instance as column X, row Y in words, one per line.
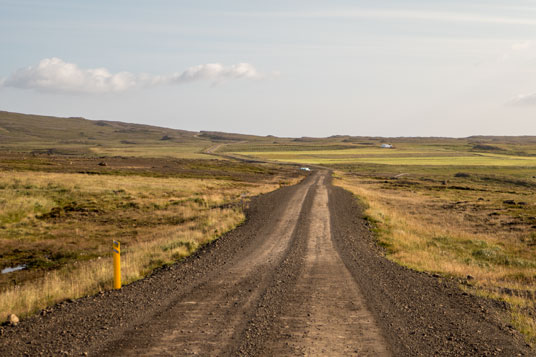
column 287, row 68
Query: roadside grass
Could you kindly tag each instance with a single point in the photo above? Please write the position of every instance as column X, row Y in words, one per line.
column 138, row 259
column 60, row 225
column 473, row 228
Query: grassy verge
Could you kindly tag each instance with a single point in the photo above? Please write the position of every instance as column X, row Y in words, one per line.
column 476, row 227
column 60, row 226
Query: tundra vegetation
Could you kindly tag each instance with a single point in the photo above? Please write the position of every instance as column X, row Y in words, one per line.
column 461, row 208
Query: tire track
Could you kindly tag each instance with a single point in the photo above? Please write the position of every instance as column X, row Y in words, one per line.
column 315, row 308
column 328, row 315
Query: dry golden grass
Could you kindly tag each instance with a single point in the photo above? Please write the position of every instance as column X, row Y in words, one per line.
column 433, row 231
column 80, row 279
column 157, row 220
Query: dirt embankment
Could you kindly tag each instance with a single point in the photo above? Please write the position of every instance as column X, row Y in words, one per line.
column 301, row 276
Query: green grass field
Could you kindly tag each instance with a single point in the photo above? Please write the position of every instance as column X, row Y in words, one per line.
column 458, row 153
column 408, row 158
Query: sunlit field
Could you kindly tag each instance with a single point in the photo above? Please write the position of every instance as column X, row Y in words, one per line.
column 394, row 157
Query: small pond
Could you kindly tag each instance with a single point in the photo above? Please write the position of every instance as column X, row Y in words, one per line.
column 12, row 269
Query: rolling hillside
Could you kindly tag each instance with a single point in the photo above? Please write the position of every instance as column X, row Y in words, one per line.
column 74, row 135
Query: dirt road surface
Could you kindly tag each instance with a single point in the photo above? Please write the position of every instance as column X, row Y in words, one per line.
column 302, row 276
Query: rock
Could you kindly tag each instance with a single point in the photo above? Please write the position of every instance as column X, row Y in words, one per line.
column 509, row 202
column 102, row 164
column 470, row 277
column 13, row 320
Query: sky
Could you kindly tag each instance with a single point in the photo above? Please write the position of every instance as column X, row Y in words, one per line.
column 286, row 68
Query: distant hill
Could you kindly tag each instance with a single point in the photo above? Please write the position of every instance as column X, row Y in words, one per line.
column 221, row 136
column 504, row 139
column 19, row 128
column 27, row 132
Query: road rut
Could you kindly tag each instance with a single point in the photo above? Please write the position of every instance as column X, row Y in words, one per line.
column 326, row 313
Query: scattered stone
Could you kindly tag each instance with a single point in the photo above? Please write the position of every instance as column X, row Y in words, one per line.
column 509, row 202
column 470, row 277
column 102, row 163
column 13, row 320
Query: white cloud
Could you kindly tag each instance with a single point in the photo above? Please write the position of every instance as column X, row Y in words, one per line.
column 55, row 75
column 216, row 72
column 523, row 100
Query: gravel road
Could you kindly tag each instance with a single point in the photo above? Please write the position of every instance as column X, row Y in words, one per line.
column 302, row 276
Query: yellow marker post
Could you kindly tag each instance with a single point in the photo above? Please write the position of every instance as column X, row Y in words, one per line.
column 117, row 264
